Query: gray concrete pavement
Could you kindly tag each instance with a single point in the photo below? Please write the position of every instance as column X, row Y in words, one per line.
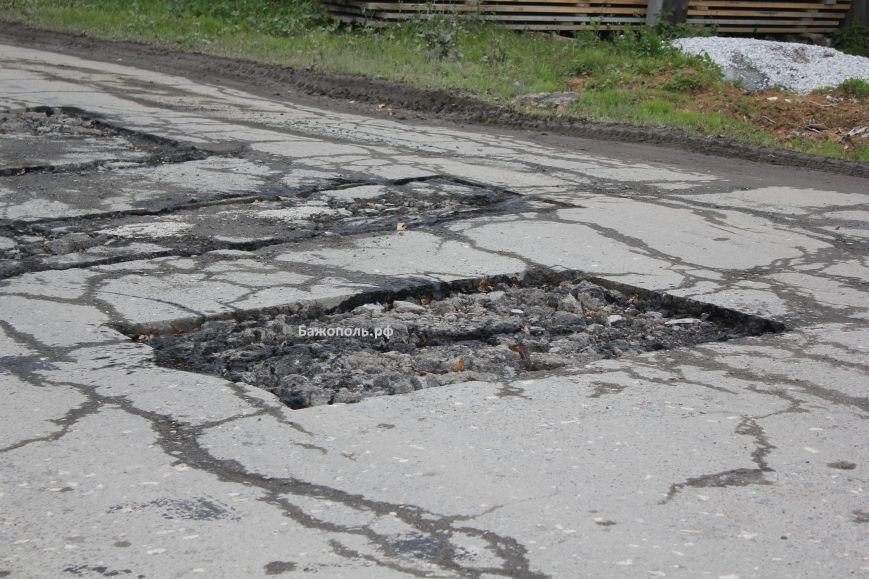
column 739, row 459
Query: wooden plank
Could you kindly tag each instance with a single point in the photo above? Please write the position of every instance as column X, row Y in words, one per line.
column 531, row 19
column 578, row 18
column 484, row 8
column 764, row 5
column 567, row 27
column 570, row 2
column 749, row 23
column 783, row 30
column 767, row 14
column 579, row 24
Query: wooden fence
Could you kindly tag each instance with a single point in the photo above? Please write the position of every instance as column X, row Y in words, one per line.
column 516, row 14
column 736, row 16
column 768, row 16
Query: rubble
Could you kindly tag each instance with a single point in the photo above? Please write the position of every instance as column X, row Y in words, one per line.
column 496, row 332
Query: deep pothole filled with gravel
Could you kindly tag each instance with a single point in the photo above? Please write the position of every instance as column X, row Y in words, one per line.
column 491, row 330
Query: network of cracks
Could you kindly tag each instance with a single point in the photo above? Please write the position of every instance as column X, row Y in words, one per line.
column 390, row 342
column 284, row 202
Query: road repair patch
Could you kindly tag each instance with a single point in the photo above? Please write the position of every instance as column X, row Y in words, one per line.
column 489, row 330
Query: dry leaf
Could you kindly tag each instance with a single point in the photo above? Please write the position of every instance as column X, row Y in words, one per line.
column 634, row 299
column 401, row 226
column 458, row 366
column 483, row 285
column 526, row 330
column 520, row 350
column 424, row 301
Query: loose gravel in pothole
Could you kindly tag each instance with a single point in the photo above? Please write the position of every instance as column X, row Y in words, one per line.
column 492, row 335
column 47, row 123
column 764, row 64
column 53, row 137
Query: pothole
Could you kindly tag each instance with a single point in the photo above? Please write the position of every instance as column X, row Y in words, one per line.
column 257, row 222
column 55, row 139
column 494, row 330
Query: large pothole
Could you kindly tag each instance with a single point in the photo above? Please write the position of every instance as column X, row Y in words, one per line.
column 490, row 330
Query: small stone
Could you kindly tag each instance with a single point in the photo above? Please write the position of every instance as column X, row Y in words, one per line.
column 615, row 320
column 548, row 99
column 307, row 396
column 492, row 296
column 517, row 312
column 368, row 309
column 345, row 396
column 683, row 322
column 842, row 465
column 401, row 307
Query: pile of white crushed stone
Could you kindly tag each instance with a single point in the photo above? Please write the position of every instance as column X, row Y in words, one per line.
column 763, row 64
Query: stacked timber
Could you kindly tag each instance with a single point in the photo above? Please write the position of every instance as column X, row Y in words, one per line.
column 729, row 16
column 768, row 16
column 515, row 14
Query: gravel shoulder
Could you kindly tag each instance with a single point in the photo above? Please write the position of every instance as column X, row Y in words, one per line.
column 379, row 97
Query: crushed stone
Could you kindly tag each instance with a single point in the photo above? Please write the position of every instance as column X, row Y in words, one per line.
column 764, row 64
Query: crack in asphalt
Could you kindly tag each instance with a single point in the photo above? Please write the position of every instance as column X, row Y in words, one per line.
column 736, row 477
column 180, row 440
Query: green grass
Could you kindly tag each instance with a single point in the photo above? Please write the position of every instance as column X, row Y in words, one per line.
column 629, row 78
column 853, row 87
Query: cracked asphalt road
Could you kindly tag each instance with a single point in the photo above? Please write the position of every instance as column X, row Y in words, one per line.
column 739, row 459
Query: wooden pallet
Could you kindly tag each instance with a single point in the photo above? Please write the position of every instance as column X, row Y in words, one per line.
column 514, row 14
column 737, row 16
column 768, row 16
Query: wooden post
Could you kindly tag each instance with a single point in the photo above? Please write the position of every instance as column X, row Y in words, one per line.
column 675, row 10
column 859, row 13
column 653, row 12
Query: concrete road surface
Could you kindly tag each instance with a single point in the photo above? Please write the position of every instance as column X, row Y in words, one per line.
column 136, row 203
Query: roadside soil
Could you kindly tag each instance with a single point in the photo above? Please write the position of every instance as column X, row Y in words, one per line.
column 814, row 118
column 379, row 97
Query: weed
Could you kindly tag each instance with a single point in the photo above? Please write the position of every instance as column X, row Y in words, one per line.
column 439, row 34
column 852, row 39
column 853, row 87
column 684, row 82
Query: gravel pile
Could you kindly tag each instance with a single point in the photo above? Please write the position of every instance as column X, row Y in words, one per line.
column 763, row 64
column 492, row 335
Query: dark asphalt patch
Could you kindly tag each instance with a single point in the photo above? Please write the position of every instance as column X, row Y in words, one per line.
column 253, row 223
column 64, row 140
